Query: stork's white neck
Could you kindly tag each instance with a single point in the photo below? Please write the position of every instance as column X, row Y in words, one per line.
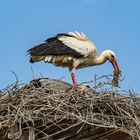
column 102, row 58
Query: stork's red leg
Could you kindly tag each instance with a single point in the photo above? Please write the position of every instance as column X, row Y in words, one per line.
column 74, row 79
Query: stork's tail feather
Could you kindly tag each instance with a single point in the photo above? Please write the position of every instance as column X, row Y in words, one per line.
column 31, row 60
column 34, row 59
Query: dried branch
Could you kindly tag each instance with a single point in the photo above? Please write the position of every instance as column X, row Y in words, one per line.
column 52, row 111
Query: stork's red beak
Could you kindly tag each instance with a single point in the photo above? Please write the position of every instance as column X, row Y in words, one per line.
column 115, row 65
column 117, row 71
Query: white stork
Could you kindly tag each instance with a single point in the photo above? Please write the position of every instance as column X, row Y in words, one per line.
column 73, row 50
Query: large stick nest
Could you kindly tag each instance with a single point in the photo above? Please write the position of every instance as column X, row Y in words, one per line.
column 54, row 107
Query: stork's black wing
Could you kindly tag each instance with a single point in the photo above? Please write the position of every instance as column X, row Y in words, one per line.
column 53, row 46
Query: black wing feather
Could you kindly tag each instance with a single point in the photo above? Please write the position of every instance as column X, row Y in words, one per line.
column 53, row 46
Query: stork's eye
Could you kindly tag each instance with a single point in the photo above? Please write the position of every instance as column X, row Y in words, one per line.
column 112, row 55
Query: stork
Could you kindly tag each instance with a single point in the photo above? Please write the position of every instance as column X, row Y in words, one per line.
column 73, row 50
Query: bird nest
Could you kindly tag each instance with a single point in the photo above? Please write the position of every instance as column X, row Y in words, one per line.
column 54, row 109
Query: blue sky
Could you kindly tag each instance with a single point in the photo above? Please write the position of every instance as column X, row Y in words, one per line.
column 110, row 24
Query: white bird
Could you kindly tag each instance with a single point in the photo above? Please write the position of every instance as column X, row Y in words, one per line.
column 73, row 50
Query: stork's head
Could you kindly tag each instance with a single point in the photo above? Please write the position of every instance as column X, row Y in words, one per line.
column 111, row 57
